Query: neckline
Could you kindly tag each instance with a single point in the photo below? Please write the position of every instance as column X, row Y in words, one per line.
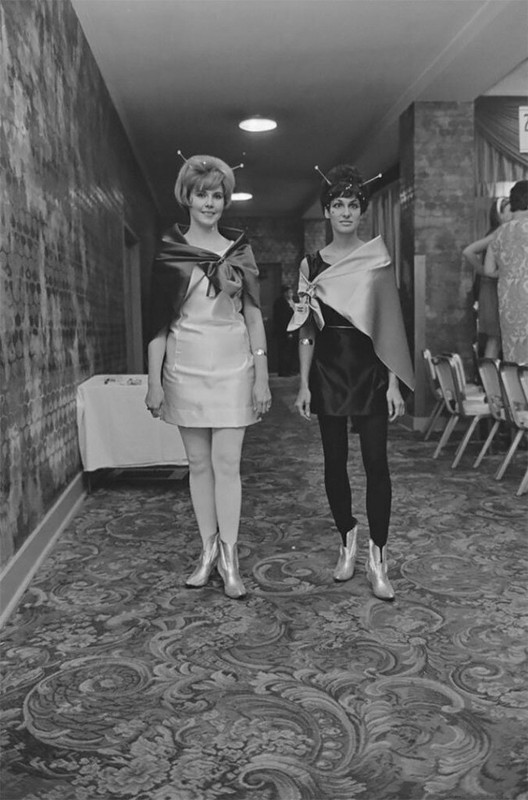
column 349, row 253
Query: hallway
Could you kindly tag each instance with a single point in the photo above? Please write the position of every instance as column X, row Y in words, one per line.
column 120, row 683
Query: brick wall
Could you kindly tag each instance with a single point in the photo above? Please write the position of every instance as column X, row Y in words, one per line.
column 71, row 183
column 437, row 198
column 274, row 240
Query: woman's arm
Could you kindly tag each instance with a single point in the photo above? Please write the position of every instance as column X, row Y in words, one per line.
column 156, row 354
column 257, row 341
column 473, row 252
column 491, row 268
column 395, row 400
column 306, row 347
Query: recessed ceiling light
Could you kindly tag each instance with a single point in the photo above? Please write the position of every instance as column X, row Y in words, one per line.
column 239, row 197
column 257, row 124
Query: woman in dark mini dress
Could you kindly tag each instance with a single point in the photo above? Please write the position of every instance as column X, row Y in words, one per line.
column 353, row 352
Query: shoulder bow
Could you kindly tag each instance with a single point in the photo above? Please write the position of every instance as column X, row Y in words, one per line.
column 233, row 271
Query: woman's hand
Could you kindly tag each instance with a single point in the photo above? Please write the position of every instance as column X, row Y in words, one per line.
column 261, row 397
column 302, row 403
column 395, row 401
column 154, row 400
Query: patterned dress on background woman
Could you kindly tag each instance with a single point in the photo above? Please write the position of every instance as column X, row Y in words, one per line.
column 510, row 249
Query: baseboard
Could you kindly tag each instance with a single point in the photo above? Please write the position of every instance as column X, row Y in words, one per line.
column 17, row 574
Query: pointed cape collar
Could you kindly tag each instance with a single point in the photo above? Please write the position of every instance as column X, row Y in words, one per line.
column 224, row 271
column 361, row 287
column 175, row 260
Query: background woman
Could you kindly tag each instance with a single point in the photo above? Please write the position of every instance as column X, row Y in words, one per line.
column 487, row 298
column 507, row 258
column 352, row 350
column 208, row 342
column 286, row 340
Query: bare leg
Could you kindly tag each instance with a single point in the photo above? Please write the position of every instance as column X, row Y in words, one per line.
column 198, row 447
column 226, row 454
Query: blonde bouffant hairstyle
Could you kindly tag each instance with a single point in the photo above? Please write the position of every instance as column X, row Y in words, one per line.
column 203, row 172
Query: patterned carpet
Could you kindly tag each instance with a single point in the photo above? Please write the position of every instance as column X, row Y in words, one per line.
column 120, row 683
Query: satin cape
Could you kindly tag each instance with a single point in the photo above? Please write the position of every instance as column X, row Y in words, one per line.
column 361, row 287
column 233, row 271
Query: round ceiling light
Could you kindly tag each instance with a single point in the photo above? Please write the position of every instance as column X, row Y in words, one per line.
column 257, row 124
column 239, row 197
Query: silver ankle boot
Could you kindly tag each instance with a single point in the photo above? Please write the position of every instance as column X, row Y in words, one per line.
column 228, row 569
column 346, row 562
column 376, row 567
column 205, row 566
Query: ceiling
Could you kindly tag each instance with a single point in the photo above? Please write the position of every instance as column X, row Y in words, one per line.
column 335, row 74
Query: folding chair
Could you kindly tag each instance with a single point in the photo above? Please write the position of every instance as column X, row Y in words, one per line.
column 437, row 393
column 516, row 405
column 523, row 377
column 458, row 404
column 470, row 388
column 491, row 381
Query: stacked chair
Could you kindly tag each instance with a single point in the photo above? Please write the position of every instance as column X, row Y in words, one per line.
column 439, row 405
column 491, row 381
column 513, row 381
column 460, row 403
column 502, row 397
column 470, row 389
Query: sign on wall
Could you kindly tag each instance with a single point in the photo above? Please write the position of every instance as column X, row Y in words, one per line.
column 523, row 129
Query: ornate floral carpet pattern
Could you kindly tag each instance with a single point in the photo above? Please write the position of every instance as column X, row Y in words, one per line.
column 120, row 683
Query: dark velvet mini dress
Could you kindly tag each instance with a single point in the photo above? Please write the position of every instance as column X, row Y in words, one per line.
column 347, row 379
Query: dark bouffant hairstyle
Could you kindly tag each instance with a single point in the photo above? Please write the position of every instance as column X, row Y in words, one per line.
column 344, row 181
column 519, row 196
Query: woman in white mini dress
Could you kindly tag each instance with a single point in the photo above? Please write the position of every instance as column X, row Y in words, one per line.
column 207, row 357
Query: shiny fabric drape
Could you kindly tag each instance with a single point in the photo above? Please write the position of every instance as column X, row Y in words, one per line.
column 497, row 159
column 173, row 265
column 385, row 217
column 497, row 121
column 362, row 288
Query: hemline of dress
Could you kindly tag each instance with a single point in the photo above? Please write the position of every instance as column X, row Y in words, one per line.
column 211, row 424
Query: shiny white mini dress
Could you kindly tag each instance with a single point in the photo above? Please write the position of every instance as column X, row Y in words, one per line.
column 208, row 373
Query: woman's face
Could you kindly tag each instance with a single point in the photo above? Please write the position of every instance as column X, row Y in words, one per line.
column 344, row 214
column 206, row 206
column 505, row 213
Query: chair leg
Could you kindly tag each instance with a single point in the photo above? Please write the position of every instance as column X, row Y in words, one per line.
column 487, row 443
column 465, row 441
column 448, row 430
column 523, row 486
column 509, row 455
column 437, row 410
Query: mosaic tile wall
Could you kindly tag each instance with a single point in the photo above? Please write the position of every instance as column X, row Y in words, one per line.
column 278, row 240
column 71, row 183
column 437, row 198
column 444, row 201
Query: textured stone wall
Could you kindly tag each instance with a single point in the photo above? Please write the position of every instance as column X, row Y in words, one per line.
column 407, row 221
column 70, row 183
column 274, row 240
column 315, row 235
column 437, row 198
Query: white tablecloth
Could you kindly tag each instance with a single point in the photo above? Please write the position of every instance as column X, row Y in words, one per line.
column 116, row 430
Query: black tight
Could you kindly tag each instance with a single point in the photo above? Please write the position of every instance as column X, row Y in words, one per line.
column 373, row 440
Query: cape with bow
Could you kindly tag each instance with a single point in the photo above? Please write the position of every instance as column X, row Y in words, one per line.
column 361, row 287
column 175, row 260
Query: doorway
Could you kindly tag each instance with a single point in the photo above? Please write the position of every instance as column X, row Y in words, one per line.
column 270, row 279
column 132, row 303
